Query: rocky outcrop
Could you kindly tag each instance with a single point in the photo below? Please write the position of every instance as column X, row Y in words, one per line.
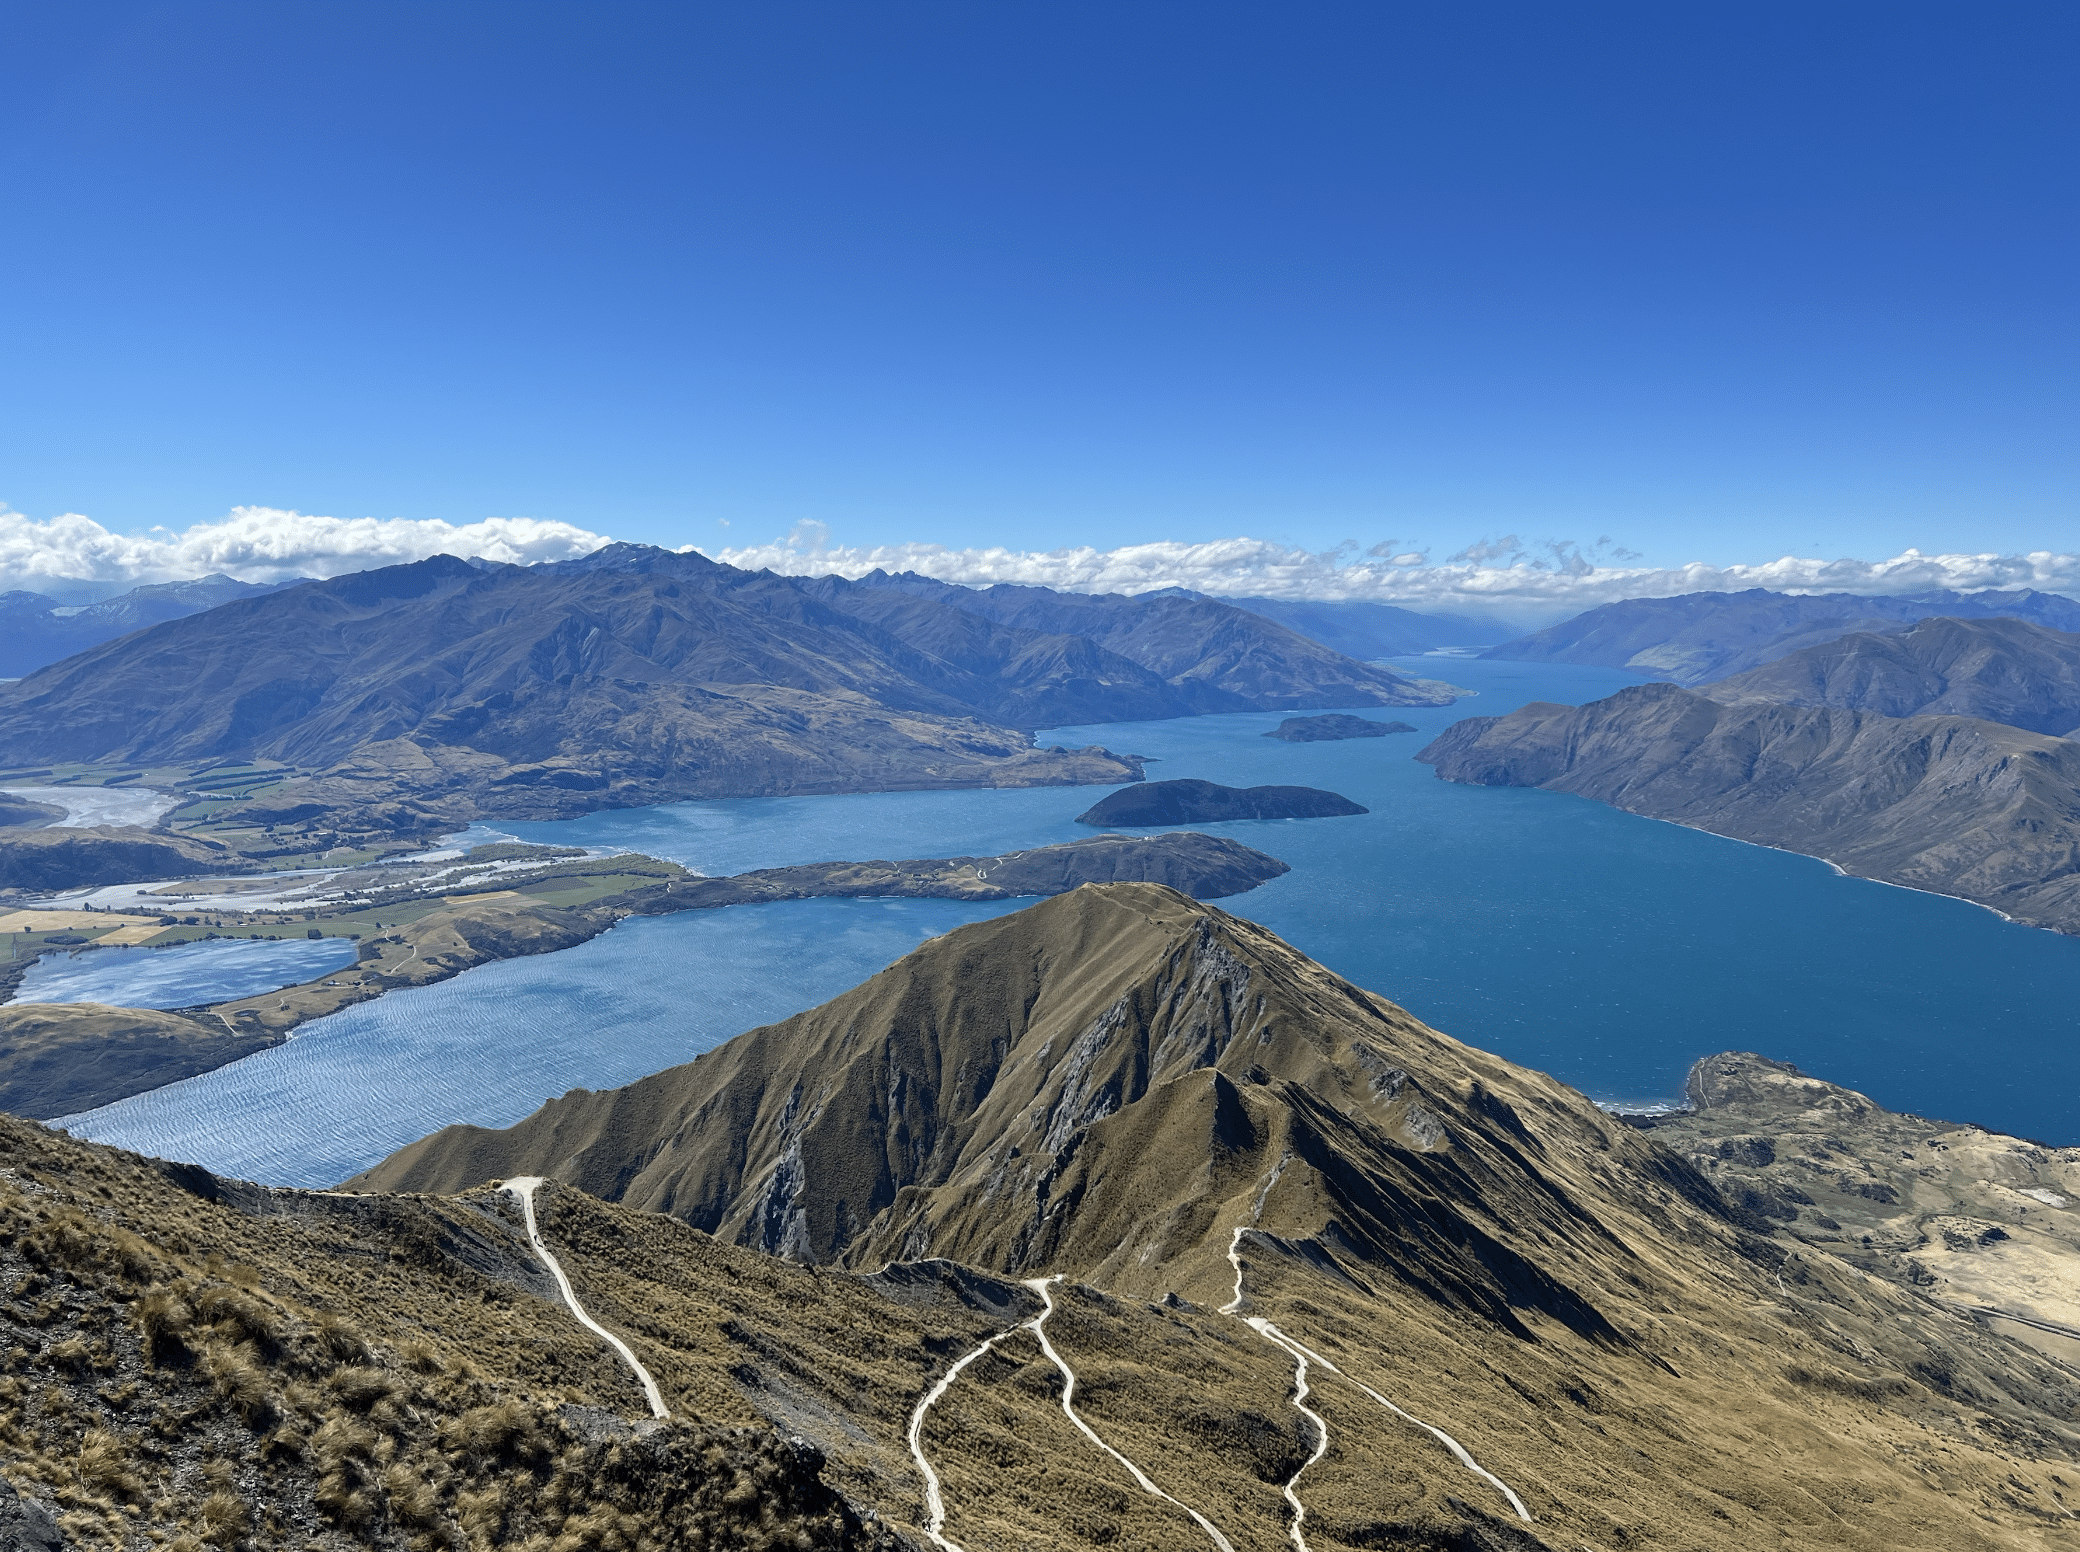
column 1962, row 807
column 1206, row 802
column 1979, row 1220
column 1332, row 726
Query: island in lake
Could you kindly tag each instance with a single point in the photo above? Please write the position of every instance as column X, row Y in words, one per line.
column 1332, row 726
column 1204, row 802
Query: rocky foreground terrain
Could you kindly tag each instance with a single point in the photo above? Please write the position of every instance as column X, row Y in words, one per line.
column 1982, row 1223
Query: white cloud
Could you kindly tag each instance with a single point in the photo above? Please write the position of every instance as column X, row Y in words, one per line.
column 1502, row 577
column 261, row 544
column 77, row 558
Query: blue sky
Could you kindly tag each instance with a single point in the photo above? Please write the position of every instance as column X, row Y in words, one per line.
column 1718, row 282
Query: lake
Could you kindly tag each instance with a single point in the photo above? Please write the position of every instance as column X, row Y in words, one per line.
column 1609, row 950
column 185, row 976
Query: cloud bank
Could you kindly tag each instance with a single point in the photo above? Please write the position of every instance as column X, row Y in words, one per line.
column 76, row 556
column 1507, row 578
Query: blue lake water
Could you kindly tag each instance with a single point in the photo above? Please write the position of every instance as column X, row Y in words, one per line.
column 1609, row 950
column 213, row 970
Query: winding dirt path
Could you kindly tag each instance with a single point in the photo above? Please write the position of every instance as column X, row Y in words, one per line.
column 934, row 1497
column 1038, row 1326
column 934, row 1501
column 1303, row 1355
column 524, row 1187
column 1271, row 1333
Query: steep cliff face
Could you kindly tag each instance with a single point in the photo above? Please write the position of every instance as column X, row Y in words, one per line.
column 1950, row 804
column 1997, row 670
column 1109, row 1084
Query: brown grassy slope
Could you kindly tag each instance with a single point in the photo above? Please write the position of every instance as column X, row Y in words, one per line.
column 1970, row 1217
column 1110, row 1084
column 289, row 1370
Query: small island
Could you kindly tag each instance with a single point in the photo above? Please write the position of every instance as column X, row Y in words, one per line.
column 1205, row 802
column 1332, row 726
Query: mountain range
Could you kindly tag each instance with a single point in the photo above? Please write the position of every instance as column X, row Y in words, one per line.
column 1932, row 755
column 1698, row 637
column 2000, row 670
column 411, row 697
column 36, row 631
column 1368, row 630
column 1956, row 805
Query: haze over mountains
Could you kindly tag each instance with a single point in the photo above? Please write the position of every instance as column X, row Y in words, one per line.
column 420, row 695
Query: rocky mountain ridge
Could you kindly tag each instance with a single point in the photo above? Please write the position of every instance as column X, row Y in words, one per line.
column 1999, row 670
column 1167, row 1106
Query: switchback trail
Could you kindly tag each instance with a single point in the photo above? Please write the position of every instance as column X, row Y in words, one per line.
column 934, row 1502
column 934, row 1499
column 524, row 1187
column 1038, row 1326
column 1303, row 1355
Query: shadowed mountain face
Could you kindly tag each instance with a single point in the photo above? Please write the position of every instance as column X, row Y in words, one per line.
column 1703, row 636
column 1999, row 670
column 1951, row 804
column 443, row 690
